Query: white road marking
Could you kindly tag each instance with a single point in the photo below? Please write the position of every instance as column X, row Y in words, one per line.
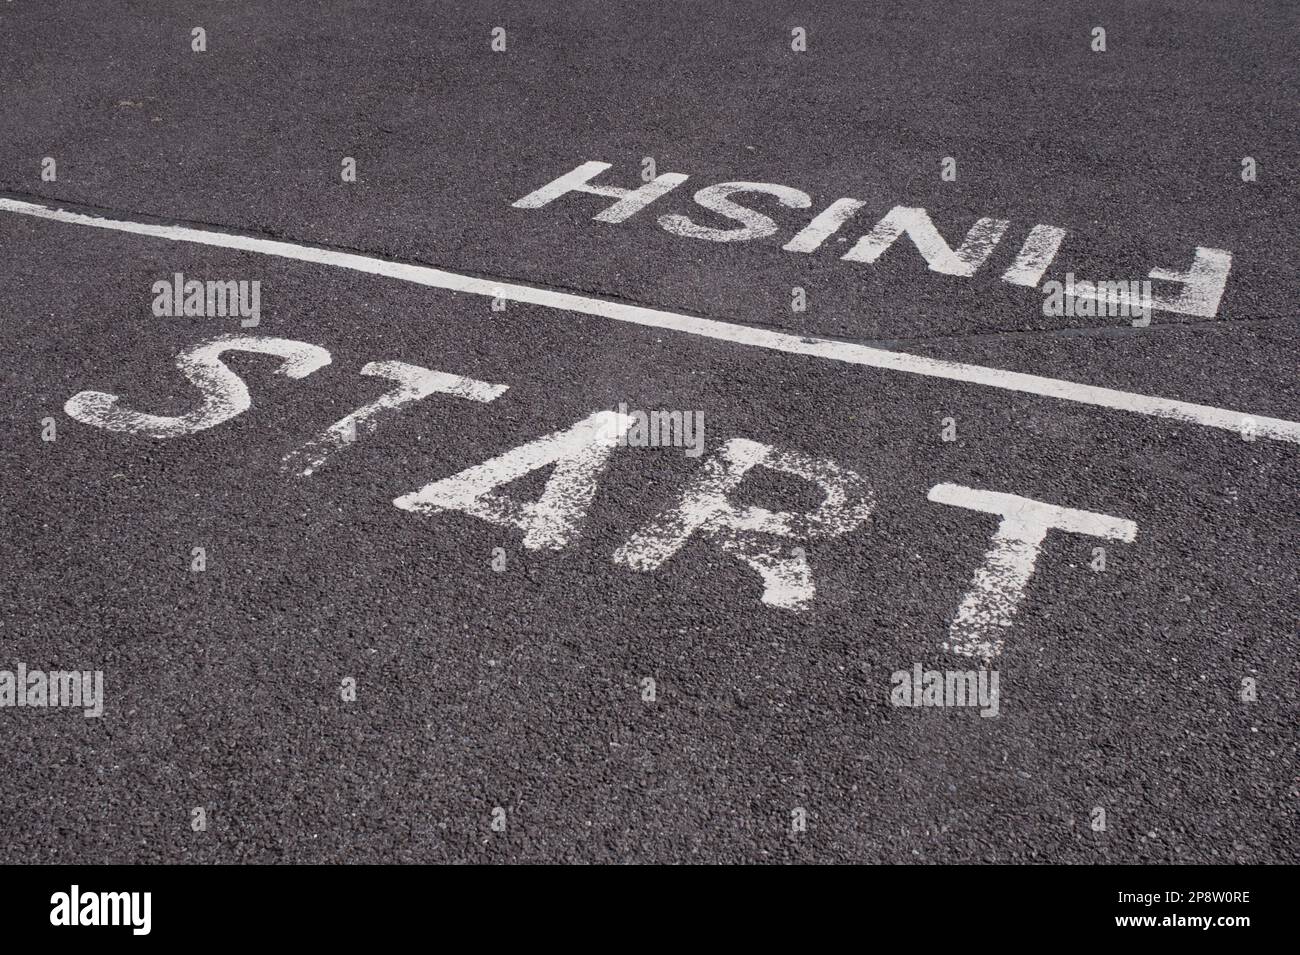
column 754, row 225
column 578, row 455
column 224, row 393
column 982, row 619
column 745, row 534
column 824, row 225
column 1203, row 283
column 1275, row 428
column 1041, row 246
column 413, row 383
column 1201, row 287
column 630, row 201
column 916, row 224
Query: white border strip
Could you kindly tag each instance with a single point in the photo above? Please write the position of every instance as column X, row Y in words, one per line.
column 1247, row 425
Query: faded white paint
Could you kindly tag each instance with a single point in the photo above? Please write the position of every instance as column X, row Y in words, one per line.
column 1202, row 284
column 413, row 383
column 224, row 394
column 1129, row 299
column 630, row 201
column 747, row 533
column 825, row 224
column 754, row 225
column 578, row 455
column 938, row 254
column 1278, row 429
column 980, row 625
column 1201, row 287
column 1040, row 248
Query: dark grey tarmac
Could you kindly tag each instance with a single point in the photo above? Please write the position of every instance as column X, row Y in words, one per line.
column 521, row 689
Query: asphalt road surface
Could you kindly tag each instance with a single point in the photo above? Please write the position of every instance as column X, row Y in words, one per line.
column 498, row 619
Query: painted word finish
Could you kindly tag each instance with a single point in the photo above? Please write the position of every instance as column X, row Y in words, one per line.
column 1195, row 290
column 772, row 544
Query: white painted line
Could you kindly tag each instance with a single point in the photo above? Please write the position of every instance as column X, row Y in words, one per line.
column 413, row 384
column 984, row 617
column 1257, row 425
column 1040, row 247
column 225, row 395
column 746, row 533
column 576, row 455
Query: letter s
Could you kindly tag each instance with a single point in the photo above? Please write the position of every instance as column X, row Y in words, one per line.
column 224, row 393
column 755, row 224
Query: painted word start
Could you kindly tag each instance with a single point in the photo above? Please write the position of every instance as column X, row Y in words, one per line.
column 773, row 544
